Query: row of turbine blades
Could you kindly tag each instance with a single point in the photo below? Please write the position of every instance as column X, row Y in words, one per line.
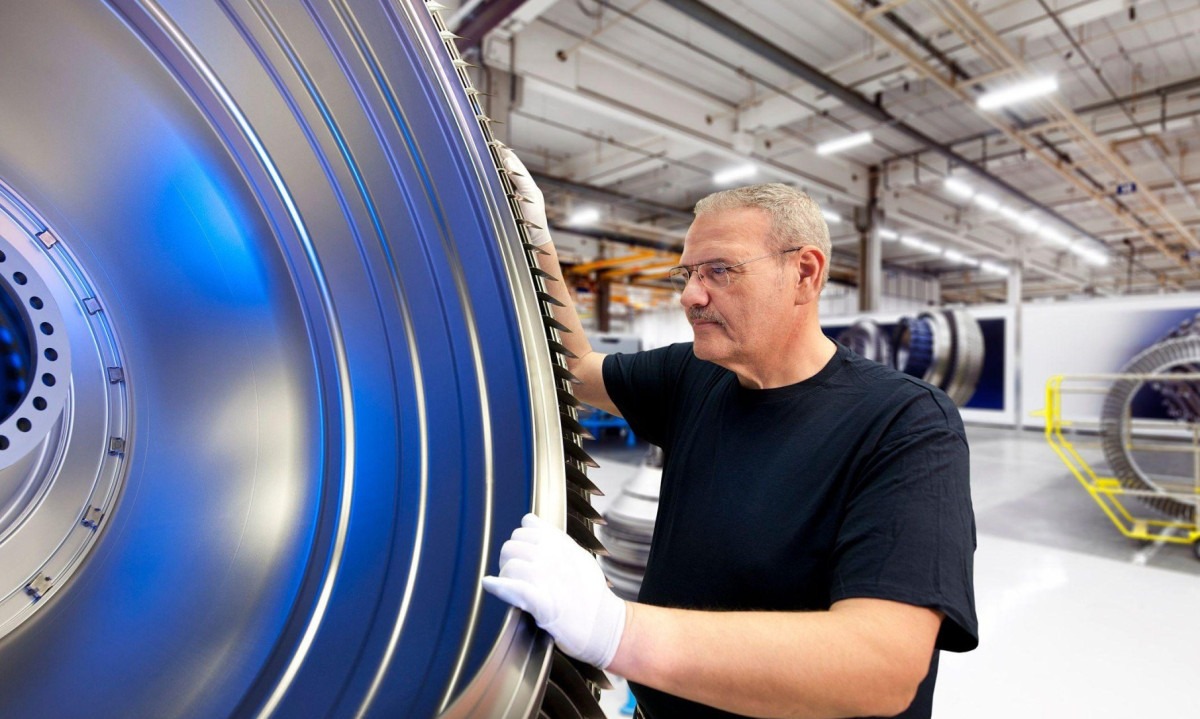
column 572, row 689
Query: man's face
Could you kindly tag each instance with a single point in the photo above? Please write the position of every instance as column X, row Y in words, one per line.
column 736, row 326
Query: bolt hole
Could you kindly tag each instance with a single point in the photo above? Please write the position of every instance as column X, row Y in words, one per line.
column 3, row 442
column 20, row 278
column 3, row 257
column 48, row 379
column 50, row 354
column 39, row 403
column 36, row 302
column 47, row 328
column 24, row 424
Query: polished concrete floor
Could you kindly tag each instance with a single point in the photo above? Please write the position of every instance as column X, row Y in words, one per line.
column 1075, row 619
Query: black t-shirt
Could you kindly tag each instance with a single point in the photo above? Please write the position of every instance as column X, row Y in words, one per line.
column 852, row 483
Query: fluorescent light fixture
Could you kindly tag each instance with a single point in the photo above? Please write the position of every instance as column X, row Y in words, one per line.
column 886, row 234
column 1091, row 252
column 1020, row 219
column 993, row 268
column 959, row 258
column 960, row 188
column 919, row 244
column 1028, row 224
column 1010, row 214
column 1054, row 237
column 584, row 216
column 844, row 143
column 987, row 202
column 1017, row 93
column 831, row 217
column 731, row 175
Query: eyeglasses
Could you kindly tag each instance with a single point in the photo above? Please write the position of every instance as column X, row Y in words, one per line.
column 713, row 275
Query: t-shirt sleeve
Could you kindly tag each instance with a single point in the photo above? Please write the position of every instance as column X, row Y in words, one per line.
column 908, row 534
column 644, row 385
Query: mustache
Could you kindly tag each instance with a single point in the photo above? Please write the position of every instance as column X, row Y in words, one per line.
column 697, row 314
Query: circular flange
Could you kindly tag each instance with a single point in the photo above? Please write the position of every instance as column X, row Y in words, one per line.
column 41, row 367
column 60, row 470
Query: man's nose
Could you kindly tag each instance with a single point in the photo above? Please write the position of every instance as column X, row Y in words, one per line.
column 694, row 292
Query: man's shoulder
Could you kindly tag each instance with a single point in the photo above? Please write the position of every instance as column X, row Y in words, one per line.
column 890, row 387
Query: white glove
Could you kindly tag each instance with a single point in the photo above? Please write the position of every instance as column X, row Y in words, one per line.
column 544, row 572
column 534, row 208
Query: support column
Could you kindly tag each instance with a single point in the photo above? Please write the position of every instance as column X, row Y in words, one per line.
column 1013, row 298
column 867, row 221
column 603, row 305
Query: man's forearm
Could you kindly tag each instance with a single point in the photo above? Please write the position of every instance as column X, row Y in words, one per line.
column 576, row 340
column 854, row 660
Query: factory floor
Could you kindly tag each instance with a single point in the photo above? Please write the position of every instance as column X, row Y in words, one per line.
column 1075, row 619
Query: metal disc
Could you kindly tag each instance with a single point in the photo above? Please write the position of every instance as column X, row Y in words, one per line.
column 303, row 368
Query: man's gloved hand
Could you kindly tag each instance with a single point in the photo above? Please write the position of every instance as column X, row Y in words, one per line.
column 544, row 572
column 534, row 208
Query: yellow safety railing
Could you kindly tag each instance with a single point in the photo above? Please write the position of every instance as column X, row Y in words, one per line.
column 1108, row 492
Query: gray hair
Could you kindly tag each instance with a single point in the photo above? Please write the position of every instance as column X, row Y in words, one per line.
column 796, row 218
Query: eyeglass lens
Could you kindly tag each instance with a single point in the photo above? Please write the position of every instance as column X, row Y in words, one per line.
column 710, row 275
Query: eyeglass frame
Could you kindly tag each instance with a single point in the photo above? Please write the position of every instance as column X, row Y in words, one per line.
column 672, row 273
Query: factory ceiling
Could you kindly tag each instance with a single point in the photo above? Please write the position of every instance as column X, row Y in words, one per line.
column 628, row 111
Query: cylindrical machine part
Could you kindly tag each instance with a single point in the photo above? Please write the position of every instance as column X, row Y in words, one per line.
column 279, row 382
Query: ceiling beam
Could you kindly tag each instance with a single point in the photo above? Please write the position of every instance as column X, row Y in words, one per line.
column 771, row 52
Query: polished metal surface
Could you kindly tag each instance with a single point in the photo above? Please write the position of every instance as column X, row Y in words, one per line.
column 310, row 389
column 967, row 356
column 63, row 444
column 943, row 348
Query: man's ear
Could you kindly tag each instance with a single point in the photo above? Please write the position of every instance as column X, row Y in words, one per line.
column 810, row 265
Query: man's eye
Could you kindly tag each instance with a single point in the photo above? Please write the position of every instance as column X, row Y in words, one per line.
column 717, row 270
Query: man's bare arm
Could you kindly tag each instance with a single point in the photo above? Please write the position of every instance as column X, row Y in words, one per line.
column 587, row 364
column 863, row 657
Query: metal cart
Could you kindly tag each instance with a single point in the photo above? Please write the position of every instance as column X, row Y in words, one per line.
column 1119, row 436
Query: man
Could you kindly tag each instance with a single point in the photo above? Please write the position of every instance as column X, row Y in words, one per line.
column 813, row 548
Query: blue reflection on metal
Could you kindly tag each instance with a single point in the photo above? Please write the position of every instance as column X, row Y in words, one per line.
column 15, row 360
